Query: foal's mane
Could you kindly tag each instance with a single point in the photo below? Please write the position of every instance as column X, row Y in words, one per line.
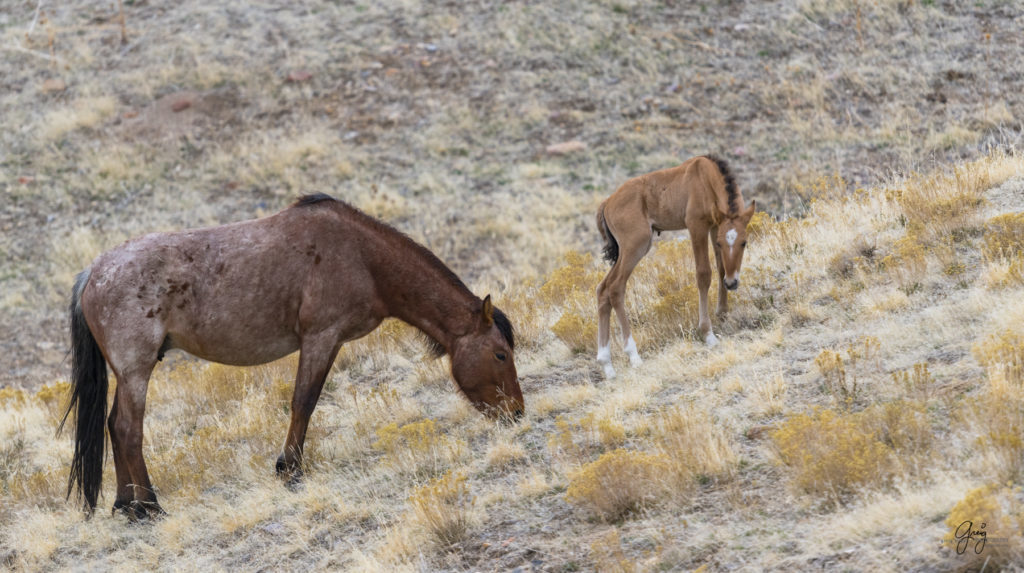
column 436, row 348
column 730, row 182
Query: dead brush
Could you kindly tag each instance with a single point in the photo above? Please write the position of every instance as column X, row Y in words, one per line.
column 695, row 447
column 618, row 483
column 944, row 203
column 444, row 507
column 843, row 377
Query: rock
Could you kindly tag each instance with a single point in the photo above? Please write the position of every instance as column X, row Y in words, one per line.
column 297, row 76
column 566, row 147
column 181, row 105
column 53, row 85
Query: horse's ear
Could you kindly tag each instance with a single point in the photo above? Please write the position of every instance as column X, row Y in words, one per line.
column 749, row 211
column 488, row 311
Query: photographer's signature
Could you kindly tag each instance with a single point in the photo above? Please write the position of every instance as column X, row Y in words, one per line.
column 966, row 533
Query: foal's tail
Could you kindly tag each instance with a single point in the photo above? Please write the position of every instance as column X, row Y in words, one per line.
column 88, row 400
column 611, row 246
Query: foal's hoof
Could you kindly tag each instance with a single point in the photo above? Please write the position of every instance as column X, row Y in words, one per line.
column 711, row 340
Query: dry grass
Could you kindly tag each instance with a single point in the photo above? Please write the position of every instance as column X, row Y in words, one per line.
column 874, row 348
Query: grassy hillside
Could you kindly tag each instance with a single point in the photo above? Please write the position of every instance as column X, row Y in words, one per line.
column 867, row 397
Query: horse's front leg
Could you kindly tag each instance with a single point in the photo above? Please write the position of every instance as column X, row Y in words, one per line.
column 723, row 293
column 316, row 356
column 699, row 240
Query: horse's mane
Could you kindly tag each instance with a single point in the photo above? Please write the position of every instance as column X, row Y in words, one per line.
column 436, row 348
column 730, row 182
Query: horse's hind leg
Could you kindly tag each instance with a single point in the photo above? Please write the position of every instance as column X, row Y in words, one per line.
column 612, row 294
column 135, row 494
column 315, row 359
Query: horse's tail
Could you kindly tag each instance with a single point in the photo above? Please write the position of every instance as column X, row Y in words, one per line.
column 88, row 400
column 611, row 246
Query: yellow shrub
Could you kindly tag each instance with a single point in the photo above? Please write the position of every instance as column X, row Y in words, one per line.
column 608, row 555
column 916, row 382
column 12, row 396
column 663, row 292
column 997, row 418
column 571, row 289
column 901, row 425
column 444, row 507
column 760, row 225
column 1003, row 351
column 618, row 483
column 579, row 439
column 987, row 526
column 830, row 454
column 416, row 446
column 579, row 333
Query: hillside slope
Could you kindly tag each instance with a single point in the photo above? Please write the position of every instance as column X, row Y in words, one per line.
column 868, row 393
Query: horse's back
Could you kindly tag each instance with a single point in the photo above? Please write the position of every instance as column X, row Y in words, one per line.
column 229, row 293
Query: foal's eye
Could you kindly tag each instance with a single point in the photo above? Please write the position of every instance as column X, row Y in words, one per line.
column 743, row 244
column 500, row 356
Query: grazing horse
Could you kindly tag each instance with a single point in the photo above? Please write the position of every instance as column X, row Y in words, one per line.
column 309, row 278
column 699, row 195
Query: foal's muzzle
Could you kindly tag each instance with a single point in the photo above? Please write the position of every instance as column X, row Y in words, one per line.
column 733, row 284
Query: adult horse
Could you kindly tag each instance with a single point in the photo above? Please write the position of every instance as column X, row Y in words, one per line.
column 309, row 278
column 699, row 195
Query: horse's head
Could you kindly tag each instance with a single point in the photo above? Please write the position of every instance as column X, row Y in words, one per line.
column 483, row 365
column 731, row 241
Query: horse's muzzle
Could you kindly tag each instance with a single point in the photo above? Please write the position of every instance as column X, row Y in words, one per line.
column 732, row 285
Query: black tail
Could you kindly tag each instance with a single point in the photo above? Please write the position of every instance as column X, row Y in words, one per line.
column 88, row 400
column 611, row 246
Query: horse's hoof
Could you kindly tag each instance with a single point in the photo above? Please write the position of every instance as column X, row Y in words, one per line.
column 635, row 360
column 141, row 511
column 609, row 372
column 292, row 476
column 711, row 340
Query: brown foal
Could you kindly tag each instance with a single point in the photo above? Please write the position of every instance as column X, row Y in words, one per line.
column 699, row 195
column 309, row 278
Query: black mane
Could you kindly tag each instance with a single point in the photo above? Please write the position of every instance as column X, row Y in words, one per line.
column 730, row 182
column 313, row 199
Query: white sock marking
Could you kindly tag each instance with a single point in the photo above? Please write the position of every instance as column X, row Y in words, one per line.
column 711, row 340
column 634, row 356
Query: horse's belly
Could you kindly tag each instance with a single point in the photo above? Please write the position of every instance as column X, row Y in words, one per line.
column 239, row 348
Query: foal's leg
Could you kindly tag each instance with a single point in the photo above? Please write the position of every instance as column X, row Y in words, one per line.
column 632, row 248
column 315, row 359
column 604, row 315
column 135, row 493
column 699, row 239
column 723, row 293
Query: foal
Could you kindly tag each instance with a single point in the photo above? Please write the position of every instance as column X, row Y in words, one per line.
column 699, row 195
column 308, row 278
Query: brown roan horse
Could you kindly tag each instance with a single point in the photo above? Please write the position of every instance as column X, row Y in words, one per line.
column 308, row 278
column 699, row 195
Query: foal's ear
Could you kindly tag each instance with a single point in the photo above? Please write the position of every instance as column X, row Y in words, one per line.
column 748, row 212
column 488, row 311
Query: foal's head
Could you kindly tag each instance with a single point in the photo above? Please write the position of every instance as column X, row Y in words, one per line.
column 483, row 365
column 731, row 241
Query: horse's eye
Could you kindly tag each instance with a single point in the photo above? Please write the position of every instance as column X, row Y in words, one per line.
column 500, row 356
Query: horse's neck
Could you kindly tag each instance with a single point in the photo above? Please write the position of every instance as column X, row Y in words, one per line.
column 417, row 292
